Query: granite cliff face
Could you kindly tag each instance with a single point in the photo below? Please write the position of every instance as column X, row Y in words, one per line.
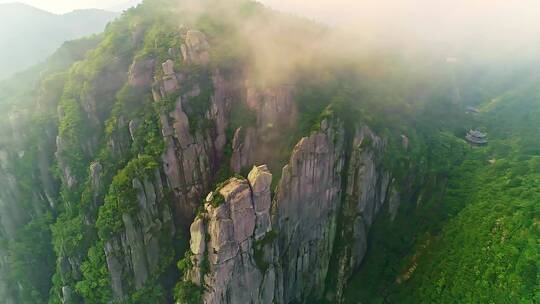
column 276, row 114
column 254, row 249
column 307, row 207
column 20, row 202
column 367, row 190
column 135, row 252
column 190, row 157
column 224, row 238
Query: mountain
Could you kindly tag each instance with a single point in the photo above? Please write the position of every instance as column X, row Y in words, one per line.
column 223, row 152
column 29, row 35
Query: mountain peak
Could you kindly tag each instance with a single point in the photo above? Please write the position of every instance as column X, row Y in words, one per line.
column 43, row 34
column 21, row 7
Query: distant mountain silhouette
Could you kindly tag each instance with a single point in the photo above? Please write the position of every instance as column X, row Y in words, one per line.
column 29, row 35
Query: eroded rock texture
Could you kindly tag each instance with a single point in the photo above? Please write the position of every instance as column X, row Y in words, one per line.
column 367, row 190
column 306, row 211
column 225, row 238
column 196, row 48
column 193, row 155
column 250, row 249
column 133, row 255
column 276, row 114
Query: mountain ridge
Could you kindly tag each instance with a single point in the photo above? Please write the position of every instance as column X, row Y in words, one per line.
column 25, row 43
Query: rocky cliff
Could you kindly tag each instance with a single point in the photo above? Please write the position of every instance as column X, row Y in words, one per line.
column 250, row 248
column 135, row 251
column 224, row 237
column 275, row 114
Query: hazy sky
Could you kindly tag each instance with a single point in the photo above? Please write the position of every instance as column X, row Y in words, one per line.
column 425, row 15
column 373, row 13
column 63, row 6
column 436, row 21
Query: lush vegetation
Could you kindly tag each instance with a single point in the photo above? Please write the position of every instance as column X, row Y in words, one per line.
column 121, row 198
column 467, row 229
column 30, row 253
column 476, row 241
column 30, row 249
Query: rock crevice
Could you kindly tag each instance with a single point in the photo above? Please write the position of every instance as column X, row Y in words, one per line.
column 254, row 249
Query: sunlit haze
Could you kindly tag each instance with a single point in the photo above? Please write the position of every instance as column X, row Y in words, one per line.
column 64, row 6
column 450, row 23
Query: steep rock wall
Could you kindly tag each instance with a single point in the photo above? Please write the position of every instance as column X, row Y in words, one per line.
column 367, row 189
column 275, row 114
column 239, row 257
column 224, row 241
column 191, row 155
column 134, row 253
column 306, row 211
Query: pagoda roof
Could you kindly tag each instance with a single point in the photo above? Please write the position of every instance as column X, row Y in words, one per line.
column 476, row 133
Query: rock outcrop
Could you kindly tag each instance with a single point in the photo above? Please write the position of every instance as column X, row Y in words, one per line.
column 95, row 183
column 196, row 48
column 28, row 188
column 170, row 82
column 68, row 178
column 134, row 254
column 191, row 156
column 367, row 190
column 226, row 241
column 306, row 211
column 20, row 203
column 185, row 161
column 276, row 114
column 141, row 73
column 251, row 243
column 192, row 152
column 247, row 249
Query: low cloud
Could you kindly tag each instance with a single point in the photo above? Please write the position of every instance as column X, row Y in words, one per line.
column 492, row 26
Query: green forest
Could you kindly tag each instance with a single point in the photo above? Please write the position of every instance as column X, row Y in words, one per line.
column 477, row 241
column 105, row 165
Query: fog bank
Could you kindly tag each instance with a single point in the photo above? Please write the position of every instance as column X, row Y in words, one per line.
column 456, row 26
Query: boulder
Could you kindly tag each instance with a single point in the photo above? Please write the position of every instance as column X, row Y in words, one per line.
column 168, row 67
column 196, row 48
column 170, row 82
column 234, row 276
column 141, row 73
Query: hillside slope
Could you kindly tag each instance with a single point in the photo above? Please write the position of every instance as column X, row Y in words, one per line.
column 490, row 251
column 477, row 242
